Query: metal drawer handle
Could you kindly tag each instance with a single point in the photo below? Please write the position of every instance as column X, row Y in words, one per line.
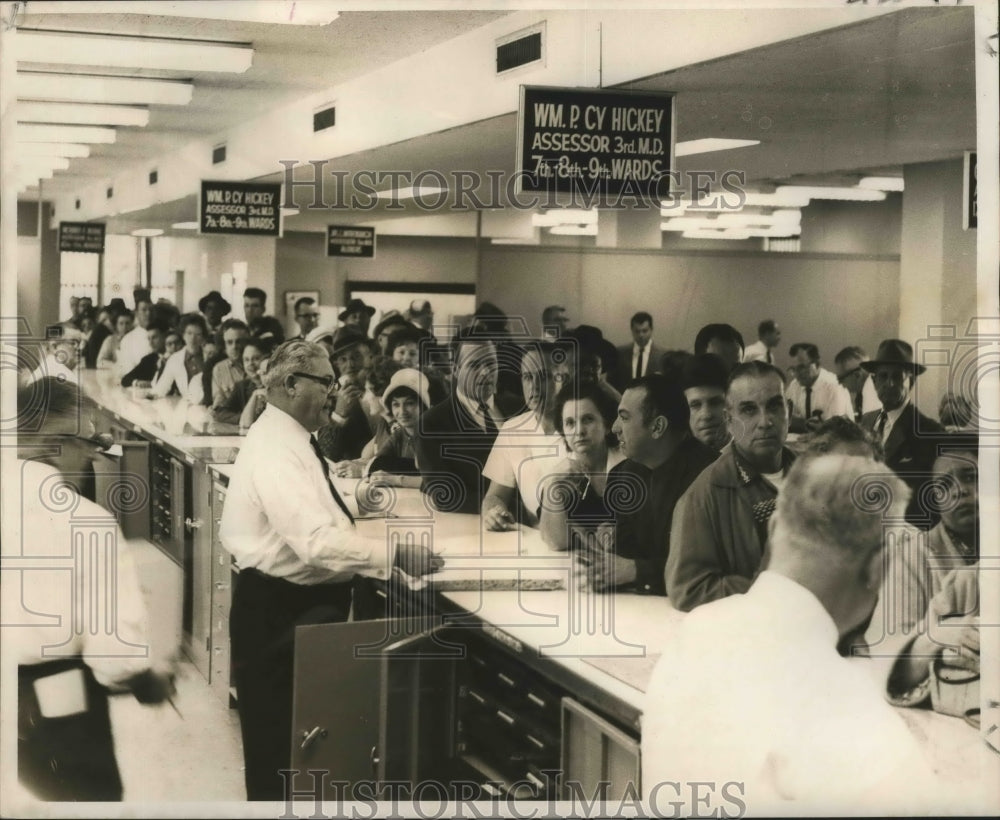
column 310, row 736
column 193, row 523
column 504, row 679
column 505, row 718
column 536, row 700
column 220, row 586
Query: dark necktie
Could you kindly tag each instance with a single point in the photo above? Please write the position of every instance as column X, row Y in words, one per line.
column 770, row 360
column 858, row 398
column 880, row 427
column 491, row 426
column 326, row 474
column 159, row 368
column 638, row 363
column 809, row 401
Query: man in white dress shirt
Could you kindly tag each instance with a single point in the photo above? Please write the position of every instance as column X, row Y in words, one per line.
column 815, row 393
column 297, row 549
column 135, row 343
column 853, row 377
column 642, row 357
column 768, row 338
column 751, row 694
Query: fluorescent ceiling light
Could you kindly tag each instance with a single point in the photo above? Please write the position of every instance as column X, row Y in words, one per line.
column 64, row 133
column 833, row 192
column 147, row 232
column 289, row 12
column 563, row 216
column 185, row 226
column 38, row 85
column 882, row 183
column 709, row 144
column 52, row 149
column 514, row 240
column 732, row 233
column 81, row 113
column 410, row 193
column 66, row 48
column 574, row 230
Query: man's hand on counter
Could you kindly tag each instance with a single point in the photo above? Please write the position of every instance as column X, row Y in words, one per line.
column 415, row 559
column 598, row 567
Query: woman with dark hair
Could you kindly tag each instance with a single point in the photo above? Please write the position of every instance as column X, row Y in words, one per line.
column 574, row 493
column 107, row 356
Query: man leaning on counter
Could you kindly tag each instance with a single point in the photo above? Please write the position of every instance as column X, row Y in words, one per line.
column 297, row 549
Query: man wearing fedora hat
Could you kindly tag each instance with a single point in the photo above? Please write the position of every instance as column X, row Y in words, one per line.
column 901, row 429
column 421, row 315
column 391, row 321
column 214, row 308
column 357, row 314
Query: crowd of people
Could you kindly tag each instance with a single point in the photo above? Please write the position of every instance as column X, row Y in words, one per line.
column 661, row 469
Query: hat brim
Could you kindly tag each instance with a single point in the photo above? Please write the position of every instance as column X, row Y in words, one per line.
column 345, row 313
column 872, row 366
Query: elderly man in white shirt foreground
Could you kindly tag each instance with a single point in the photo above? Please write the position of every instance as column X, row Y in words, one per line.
column 295, row 543
column 752, row 693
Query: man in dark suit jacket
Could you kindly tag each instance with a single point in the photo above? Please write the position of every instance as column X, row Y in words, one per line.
column 151, row 364
column 455, row 437
column 906, row 434
column 640, row 358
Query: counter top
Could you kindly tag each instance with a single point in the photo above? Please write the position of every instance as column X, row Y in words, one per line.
column 610, row 642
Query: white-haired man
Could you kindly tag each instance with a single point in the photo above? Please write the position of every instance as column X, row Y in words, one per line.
column 755, row 693
column 294, row 540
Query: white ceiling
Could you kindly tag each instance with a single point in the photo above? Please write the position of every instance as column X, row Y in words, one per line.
column 892, row 90
column 289, row 62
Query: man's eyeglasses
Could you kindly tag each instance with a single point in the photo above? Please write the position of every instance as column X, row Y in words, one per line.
column 328, row 382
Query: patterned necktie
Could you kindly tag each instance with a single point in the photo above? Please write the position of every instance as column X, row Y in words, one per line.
column 326, row 474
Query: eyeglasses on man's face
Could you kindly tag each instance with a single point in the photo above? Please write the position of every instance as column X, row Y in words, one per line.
column 328, row 382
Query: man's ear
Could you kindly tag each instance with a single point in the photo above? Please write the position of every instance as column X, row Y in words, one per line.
column 660, row 426
column 872, row 569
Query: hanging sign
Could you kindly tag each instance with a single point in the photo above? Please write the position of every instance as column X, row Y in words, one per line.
column 241, row 208
column 574, row 140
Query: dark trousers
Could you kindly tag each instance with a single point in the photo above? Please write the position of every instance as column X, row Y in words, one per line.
column 265, row 612
column 65, row 758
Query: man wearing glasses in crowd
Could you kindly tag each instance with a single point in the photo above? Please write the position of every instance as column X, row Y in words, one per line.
column 306, row 317
column 294, row 540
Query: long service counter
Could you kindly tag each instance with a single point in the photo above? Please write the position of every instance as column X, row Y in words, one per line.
column 500, row 672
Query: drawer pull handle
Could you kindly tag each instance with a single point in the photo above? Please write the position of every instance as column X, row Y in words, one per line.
column 535, row 741
column 309, row 737
column 193, row 523
column 504, row 679
column 505, row 717
column 536, row 700
column 538, row 784
column 477, row 697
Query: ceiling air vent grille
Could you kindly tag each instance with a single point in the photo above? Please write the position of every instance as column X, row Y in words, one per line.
column 324, row 118
column 524, row 49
